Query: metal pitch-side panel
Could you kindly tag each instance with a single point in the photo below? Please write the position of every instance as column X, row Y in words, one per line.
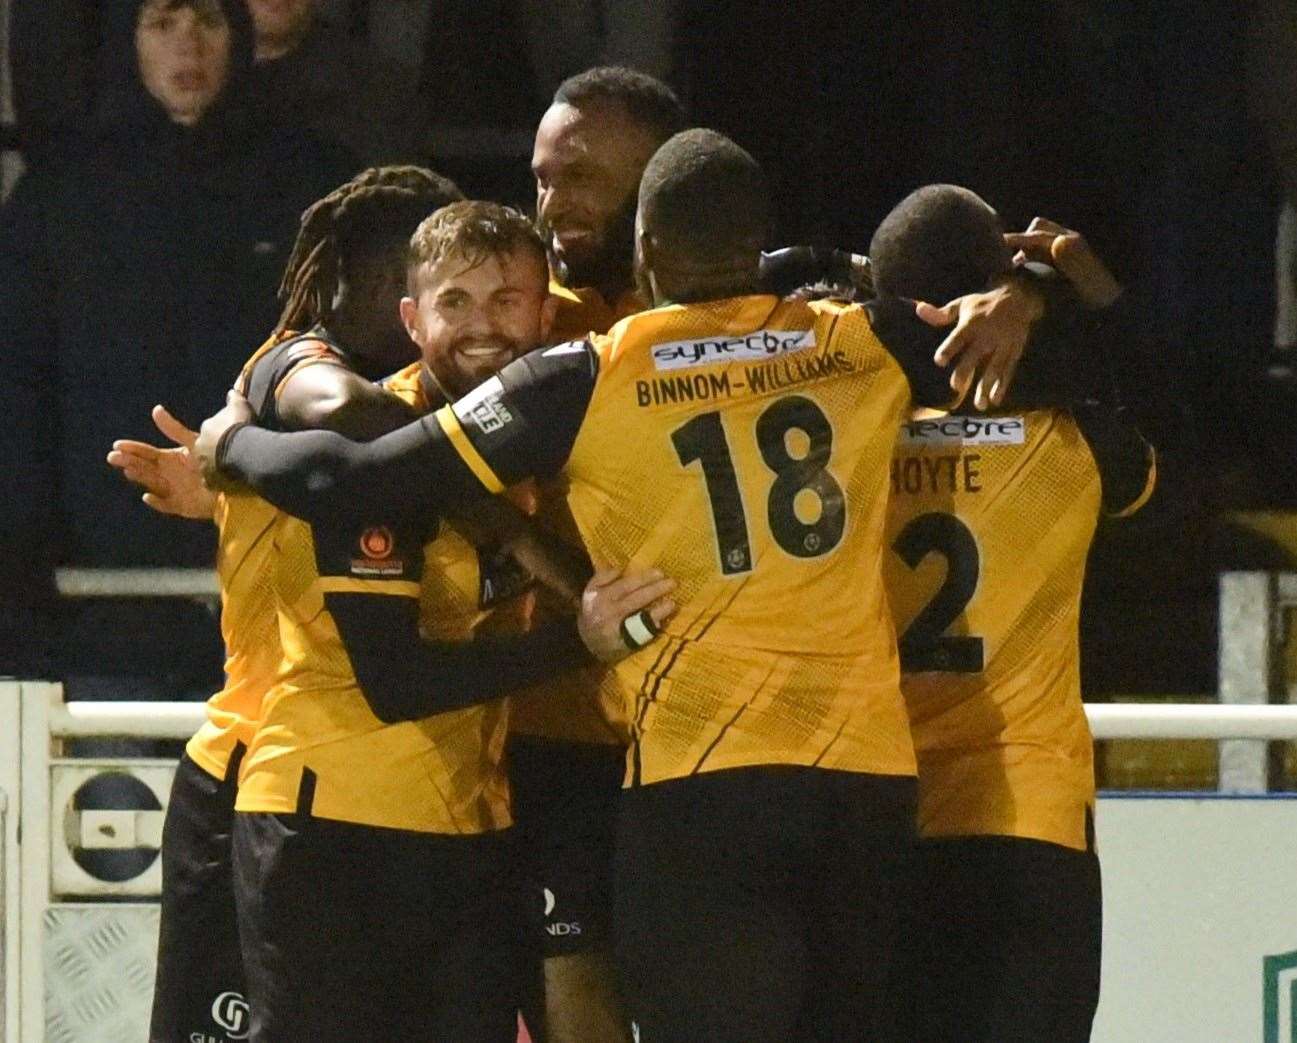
column 99, row 965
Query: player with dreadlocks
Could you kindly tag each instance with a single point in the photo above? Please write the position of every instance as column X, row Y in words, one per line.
column 341, row 287
column 314, row 813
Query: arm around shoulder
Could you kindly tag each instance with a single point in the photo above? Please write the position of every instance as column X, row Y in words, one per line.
column 334, row 398
column 1127, row 462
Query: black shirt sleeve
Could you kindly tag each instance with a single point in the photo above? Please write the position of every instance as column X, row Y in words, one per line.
column 796, row 268
column 370, row 570
column 524, row 422
column 405, row 677
column 1127, row 463
column 912, row 342
column 318, row 475
column 519, row 424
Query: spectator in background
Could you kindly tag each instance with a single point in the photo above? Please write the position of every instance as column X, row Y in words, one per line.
column 51, row 54
column 139, row 265
column 310, row 71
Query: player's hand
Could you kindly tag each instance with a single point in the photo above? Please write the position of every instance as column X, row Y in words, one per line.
column 215, row 427
column 1048, row 242
column 623, row 610
column 170, row 477
column 991, row 331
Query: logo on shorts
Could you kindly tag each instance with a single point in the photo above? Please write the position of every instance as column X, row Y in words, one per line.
column 1279, row 1003
column 230, row 1011
column 558, row 928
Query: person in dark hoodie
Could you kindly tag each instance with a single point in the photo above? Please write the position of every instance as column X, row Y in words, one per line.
column 307, row 69
column 137, row 264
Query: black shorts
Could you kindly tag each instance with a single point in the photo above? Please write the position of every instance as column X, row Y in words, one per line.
column 199, row 989
column 1005, row 945
column 761, row 904
column 355, row 932
column 565, row 807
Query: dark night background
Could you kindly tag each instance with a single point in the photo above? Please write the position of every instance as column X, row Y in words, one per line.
column 1131, row 121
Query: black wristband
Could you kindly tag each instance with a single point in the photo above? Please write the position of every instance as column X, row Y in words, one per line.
column 222, row 445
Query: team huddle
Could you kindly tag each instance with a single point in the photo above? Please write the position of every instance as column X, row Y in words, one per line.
column 626, row 627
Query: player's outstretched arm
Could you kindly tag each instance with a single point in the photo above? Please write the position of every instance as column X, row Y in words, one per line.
column 404, row 677
column 170, row 477
column 517, row 425
column 326, row 396
column 990, row 333
column 321, row 476
column 993, row 359
column 994, row 325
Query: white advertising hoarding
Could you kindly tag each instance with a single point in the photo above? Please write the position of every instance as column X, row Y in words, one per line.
column 1200, row 919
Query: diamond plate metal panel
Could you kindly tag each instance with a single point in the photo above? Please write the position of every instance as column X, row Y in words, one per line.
column 4, row 917
column 99, row 965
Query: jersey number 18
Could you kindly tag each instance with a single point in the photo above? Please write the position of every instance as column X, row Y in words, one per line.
column 703, row 440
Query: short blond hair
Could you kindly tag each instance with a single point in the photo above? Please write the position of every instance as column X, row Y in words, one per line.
column 472, row 230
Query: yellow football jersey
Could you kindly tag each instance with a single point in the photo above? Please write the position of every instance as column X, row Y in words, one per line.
column 456, row 572
column 569, row 706
column 584, row 311
column 989, row 524
column 245, row 524
column 441, row 774
column 576, row 706
column 760, row 432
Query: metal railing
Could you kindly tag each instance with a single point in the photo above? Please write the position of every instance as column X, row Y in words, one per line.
column 42, row 835
column 1107, row 721
column 1191, row 721
column 47, row 882
column 138, row 583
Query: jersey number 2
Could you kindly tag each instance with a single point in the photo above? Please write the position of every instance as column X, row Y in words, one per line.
column 702, row 440
column 925, row 645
